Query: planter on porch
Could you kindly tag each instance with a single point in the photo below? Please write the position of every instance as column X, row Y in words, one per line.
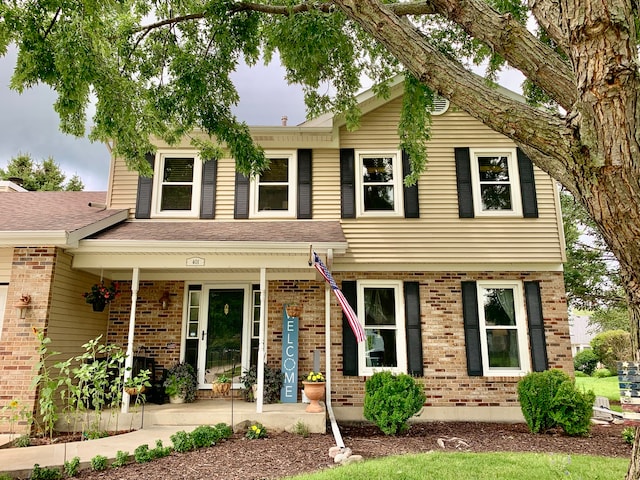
column 314, row 392
column 177, row 399
column 98, row 305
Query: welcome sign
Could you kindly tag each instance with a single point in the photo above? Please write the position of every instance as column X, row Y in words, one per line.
column 289, row 391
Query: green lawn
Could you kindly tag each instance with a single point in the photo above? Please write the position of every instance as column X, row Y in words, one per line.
column 602, row 387
column 467, row 466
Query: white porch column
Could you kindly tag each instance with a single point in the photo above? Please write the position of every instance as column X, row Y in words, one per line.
column 128, row 363
column 262, row 349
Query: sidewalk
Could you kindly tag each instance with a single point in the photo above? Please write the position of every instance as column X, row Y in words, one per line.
column 18, row 462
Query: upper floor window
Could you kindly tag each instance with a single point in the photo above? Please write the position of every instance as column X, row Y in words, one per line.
column 379, row 178
column 496, row 187
column 274, row 193
column 177, row 189
column 503, row 335
column 384, row 325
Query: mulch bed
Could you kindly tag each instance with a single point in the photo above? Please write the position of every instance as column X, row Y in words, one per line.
column 286, row 454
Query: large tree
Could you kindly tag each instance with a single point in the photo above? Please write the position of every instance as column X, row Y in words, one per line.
column 46, row 175
column 162, row 68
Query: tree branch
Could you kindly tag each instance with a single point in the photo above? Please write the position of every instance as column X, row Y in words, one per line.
column 547, row 14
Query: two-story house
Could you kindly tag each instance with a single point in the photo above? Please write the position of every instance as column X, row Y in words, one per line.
column 457, row 280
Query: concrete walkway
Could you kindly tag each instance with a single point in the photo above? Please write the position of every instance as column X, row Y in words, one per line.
column 18, row 462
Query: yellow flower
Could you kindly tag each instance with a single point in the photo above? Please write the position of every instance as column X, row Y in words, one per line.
column 253, row 427
column 257, row 431
column 13, row 404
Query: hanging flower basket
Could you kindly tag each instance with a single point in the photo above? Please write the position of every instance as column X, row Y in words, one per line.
column 100, row 295
column 98, row 305
column 294, row 310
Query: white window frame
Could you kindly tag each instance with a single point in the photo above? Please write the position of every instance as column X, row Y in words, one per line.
column 292, row 209
column 400, row 328
column 520, row 327
column 196, row 190
column 514, row 182
column 4, row 289
column 398, row 210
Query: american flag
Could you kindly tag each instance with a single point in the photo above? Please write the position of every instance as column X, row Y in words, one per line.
column 354, row 323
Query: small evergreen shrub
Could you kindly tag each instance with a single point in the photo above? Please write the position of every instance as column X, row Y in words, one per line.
column 98, row 463
column 205, row 436
column 390, row 400
column 629, row 435
column 182, row 441
column 142, row 454
column 45, row 473
column 224, row 430
column 160, row 450
column 571, row 409
column 602, row 373
column 612, row 346
column 550, row 399
column 122, row 458
column 535, row 394
column 585, row 361
column 71, row 467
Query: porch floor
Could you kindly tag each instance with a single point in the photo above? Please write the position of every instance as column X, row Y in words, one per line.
column 276, row 417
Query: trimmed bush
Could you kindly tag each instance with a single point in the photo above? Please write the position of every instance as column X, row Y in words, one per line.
column 182, row 441
column 550, row 399
column 390, row 400
column 585, row 361
column 602, row 373
column 71, row 467
column 612, row 346
column 98, row 463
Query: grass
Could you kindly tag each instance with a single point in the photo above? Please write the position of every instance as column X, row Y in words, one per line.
column 467, row 466
column 602, row 387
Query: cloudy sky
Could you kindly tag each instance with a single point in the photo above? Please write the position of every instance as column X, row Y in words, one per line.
column 28, row 123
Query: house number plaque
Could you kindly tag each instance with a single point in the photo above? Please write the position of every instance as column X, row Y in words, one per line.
column 195, row 262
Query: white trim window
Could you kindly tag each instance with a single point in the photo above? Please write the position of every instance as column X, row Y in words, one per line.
column 496, row 185
column 384, row 348
column 379, row 183
column 177, row 184
column 274, row 191
column 503, row 333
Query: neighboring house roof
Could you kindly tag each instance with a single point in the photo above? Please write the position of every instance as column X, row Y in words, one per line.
column 54, row 218
column 581, row 332
column 9, row 186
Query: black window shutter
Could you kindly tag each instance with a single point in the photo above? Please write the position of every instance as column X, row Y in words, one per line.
column 304, row 183
column 411, row 204
column 471, row 328
column 145, row 191
column 347, row 183
column 463, row 178
column 241, row 205
column 527, row 186
column 349, row 343
column 414, row 335
column 208, row 193
column 539, row 362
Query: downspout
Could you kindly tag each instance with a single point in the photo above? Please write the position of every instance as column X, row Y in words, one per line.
column 128, row 362
column 327, row 358
column 261, row 341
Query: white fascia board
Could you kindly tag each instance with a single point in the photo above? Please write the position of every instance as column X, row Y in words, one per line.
column 448, row 267
column 159, row 246
column 77, row 235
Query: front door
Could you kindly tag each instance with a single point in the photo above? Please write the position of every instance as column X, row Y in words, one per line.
column 223, row 333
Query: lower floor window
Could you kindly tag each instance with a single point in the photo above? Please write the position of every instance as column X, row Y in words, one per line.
column 503, row 334
column 380, row 310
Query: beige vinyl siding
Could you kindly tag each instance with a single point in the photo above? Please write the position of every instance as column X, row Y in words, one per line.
column 71, row 320
column 326, row 184
column 124, row 188
column 225, row 189
column 6, row 259
column 439, row 235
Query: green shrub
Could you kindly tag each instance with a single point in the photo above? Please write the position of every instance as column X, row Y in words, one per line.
column 98, row 463
column 612, row 346
column 122, row 458
column 571, row 409
column 142, row 454
column 224, row 430
column 182, row 441
column 629, row 435
column 5, row 476
column 22, row 441
column 535, row 394
column 578, row 374
column 602, row 373
column 160, row 450
column 301, row 428
column 71, row 467
column 585, row 361
column 205, row 436
column 45, row 473
column 550, row 399
column 390, row 400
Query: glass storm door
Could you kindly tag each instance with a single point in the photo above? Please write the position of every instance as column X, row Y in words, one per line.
column 222, row 331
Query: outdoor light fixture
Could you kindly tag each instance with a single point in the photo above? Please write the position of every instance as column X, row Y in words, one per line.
column 164, row 300
column 22, row 304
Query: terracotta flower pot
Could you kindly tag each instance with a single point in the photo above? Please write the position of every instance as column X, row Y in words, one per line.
column 221, row 388
column 314, row 392
column 294, row 310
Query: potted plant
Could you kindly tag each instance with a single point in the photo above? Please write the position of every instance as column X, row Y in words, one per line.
column 181, row 383
column 293, row 309
column 273, row 380
column 100, row 295
column 222, row 385
column 314, row 386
